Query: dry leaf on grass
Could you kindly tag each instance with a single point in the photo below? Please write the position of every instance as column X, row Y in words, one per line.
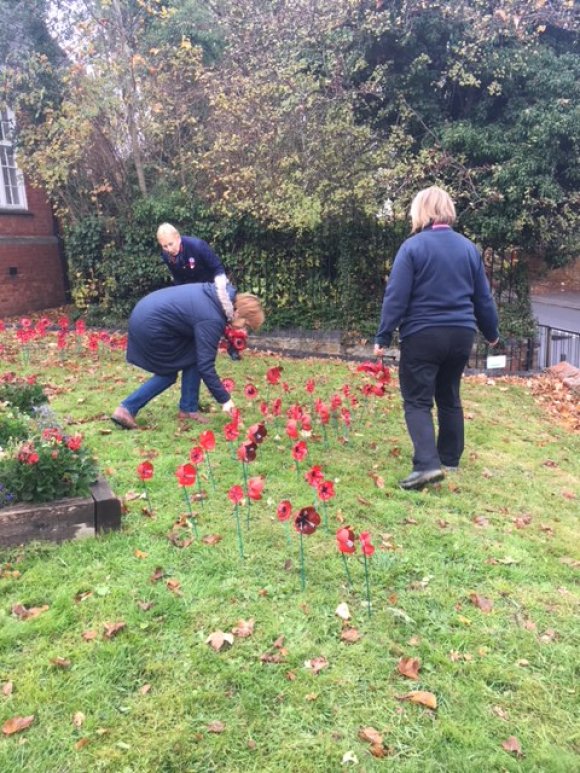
column 370, row 735
column 7, row 689
column 112, row 629
column 350, row 635
column 216, row 727
column 244, row 628
column 17, row 724
column 60, row 662
column 481, row 602
column 422, row 697
column 409, row 667
column 78, row 719
column 89, row 635
column 211, row 539
column 20, row 611
column 512, row 745
column 316, row 664
column 219, row 640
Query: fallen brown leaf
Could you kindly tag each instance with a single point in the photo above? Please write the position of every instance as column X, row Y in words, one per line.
column 112, row 629
column 145, row 605
column 211, row 539
column 20, row 611
column 512, row 745
column 216, row 727
column 7, row 689
column 486, row 605
column 81, row 743
column 370, row 735
column 89, row 635
column 59, row 662
column 244, row 628
column 421, row 697
column 350, row 635
column 219, row 640
column 17, row 724
column 140, row 554
column 157, row 575
column 174, row 586
column 316, row 664
column 501, row 713
column 78, row 719
column 145, row 689
column 409, row 667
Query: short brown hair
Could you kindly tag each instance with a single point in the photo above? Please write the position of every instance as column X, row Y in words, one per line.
column 249, row 311
column 432, row 205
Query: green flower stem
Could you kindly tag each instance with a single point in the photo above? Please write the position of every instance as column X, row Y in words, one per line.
column 288, row 537
column 239, row 531
column 297, row 468
column 325, row 435
column 147, row 495
column 187, row 501
column 302, row 572
column 324, row 515
column 368, row 585
column 200, row 491
column 246, row 493
column 347, row 570
column 209, row 469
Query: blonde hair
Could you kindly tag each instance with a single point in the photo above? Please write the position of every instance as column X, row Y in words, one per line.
column 166, row 229
column 432, row 205
column 249, row 311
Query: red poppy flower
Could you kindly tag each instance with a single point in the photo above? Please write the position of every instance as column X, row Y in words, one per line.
column 366, row 546
column 295, row 412
column 367, row 390
column 310, row 386
column 325, row 490
column 384, row 374
column 286, row 386
column 284, row 510
column 26, row 323
column 207, row 440
column 63, row 323
column 247, row 451
column 292, row 429
column 257, row 433
column 299, row 451
column 335, row 402
column 80, row 327
column 276, row 407
column 61, row 340
column 255, row 488
column 186, row 474
column 306, row 423
column 196, row 455
column 273, row 374
column 75, row 442
column 237, row 337
column 250, row 392
column 314, row 475
column 307, row 521
column 51, row 433
column 235, row 416
column 104, row 338
column 345, row 538
column 264, row 408
column 346, row 390
column 236, row 495
column 379, row 389
column 366, row 367
column 27, row 454
column 145, row 470
column 2, row 326
column 231, row 432
column 93, row 341
column 229, row 385
column 31, row 379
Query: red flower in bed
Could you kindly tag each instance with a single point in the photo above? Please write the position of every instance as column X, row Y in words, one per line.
column 247, row 451
column 310, row 386
column 314, row 475
column 295, row 412
column 345, row 540
column 264, row 408
column 273, row 374
column 325, row 490
column 346, row 417
column 229, row 385
column 207, row 440
column 231, row 432
column 366, row 546
column 255, row 488
column 284, row 510
column 306, row 423
column 186, row 474
column 250, row 392
column 292, row 429
column 236, row 495
column 196, row 455
column 335, row 402
column 299, row 451
column 277, row 406
column 307, row 521
column 257, row 433
column 145, row 470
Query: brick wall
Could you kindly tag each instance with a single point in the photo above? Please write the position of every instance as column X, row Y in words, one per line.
column 31, row 269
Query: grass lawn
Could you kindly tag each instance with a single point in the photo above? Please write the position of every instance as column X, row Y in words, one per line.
column 473, row 578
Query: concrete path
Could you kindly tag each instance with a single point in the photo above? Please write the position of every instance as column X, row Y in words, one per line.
column 558, row 310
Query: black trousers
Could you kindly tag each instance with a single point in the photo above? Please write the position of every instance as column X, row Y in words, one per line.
column 432, row 362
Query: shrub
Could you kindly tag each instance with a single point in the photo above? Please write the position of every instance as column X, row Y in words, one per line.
column 13, row 424
column 49, row 465
column 25, row 394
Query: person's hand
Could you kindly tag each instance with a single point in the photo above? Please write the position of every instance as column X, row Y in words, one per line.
column 379, row 351
column 228, row 407
column 494, row 343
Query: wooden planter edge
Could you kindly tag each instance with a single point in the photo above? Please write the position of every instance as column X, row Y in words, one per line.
column 63, row 519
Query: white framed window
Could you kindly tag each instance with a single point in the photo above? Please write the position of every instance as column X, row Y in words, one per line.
column 12, row 190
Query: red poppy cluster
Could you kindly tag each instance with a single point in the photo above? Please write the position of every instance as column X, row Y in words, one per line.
column 145, row 471
column 235, row 337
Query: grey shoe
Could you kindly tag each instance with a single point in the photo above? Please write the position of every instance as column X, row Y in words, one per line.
column 417, row 480
column 447, row 468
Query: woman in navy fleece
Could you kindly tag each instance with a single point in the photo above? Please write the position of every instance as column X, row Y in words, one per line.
column 437, row 295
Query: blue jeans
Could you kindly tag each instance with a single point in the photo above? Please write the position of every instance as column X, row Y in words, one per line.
column 189, row 401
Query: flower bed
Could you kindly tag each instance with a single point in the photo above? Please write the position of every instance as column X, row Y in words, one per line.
column 49, row 485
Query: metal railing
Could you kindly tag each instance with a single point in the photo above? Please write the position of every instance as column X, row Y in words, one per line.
column 557, row 346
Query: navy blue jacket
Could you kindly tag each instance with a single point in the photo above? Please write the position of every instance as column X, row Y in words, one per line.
column 173, row 328
column 438, row 279
column 195, row 262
